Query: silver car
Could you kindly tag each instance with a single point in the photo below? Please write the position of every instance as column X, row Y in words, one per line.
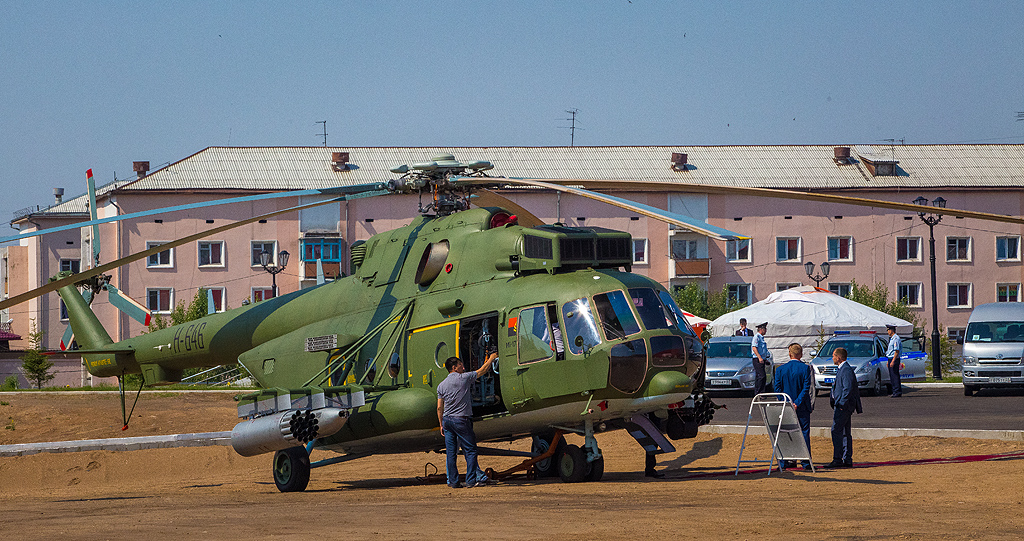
column 730, row 366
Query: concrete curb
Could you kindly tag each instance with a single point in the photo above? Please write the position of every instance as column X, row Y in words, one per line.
column 202, row 439
column 879, row 433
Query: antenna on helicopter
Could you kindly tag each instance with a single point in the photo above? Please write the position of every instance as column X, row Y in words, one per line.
column 324, row 133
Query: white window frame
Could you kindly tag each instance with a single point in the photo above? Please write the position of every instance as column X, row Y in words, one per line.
column 970, row 294
column 839, row 286
column 688, row 243
column 170, row 306
column 1016, row 239
column 910, row 259
column 268, row 290
column 170, row 255
column 750, row 293
column 1008, row 284
column 732, row 251
column 782, row 286
column 955, row 333
column 646, row 253
column 254, row 260
column 799, row 250
column 223, row 297
column 920, row 289
column 199, row 252
column 958, row 238
column 828, row 248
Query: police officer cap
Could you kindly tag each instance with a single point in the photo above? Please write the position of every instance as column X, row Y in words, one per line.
column 762, row 325
column 891, row 328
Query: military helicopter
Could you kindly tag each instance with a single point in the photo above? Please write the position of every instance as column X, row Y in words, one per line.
column 351, row 366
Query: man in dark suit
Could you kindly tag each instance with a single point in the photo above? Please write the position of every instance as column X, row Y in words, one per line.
column 794, row 379
column 744, row 331
column 845, row 400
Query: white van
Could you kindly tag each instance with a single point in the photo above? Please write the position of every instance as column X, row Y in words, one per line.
column 993, row 347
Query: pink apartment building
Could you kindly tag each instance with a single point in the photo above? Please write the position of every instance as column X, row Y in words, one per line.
column 977, row 261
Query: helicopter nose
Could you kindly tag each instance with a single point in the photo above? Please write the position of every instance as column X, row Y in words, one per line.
column 668, row 382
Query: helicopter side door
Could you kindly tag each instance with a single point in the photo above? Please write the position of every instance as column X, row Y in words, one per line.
column 429, row 347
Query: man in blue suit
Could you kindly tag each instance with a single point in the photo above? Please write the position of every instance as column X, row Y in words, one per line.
column 794, row 379
column 845, row 400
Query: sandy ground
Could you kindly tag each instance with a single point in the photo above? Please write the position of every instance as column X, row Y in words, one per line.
column 217, row 494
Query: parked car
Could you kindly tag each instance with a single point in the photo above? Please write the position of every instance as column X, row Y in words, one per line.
column 993, row 347
column 730, row 366
column 866, row 354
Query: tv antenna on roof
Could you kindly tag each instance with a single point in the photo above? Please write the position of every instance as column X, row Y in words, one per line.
column 324, row 134
column 892, row 145
column 572, row 128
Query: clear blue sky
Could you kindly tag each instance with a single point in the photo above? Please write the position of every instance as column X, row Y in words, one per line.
column 101, row 84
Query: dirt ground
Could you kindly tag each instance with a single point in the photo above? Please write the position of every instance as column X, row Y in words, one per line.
column 213, row 492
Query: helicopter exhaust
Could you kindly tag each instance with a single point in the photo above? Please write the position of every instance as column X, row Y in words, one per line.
column 285, row 429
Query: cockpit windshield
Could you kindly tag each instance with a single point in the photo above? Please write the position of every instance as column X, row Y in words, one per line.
column 617, row 319
column 579, row 324
column 652, row 312
column 675, row 314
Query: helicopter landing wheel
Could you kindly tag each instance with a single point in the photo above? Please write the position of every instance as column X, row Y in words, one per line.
column 572, row 464
column 549, row 466
column 291, row 469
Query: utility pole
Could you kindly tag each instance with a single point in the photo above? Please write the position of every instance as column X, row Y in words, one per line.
column 324, row 134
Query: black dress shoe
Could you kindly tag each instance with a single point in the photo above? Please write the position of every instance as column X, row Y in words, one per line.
column 847, row 464
column 654, row 474
column 834, row 464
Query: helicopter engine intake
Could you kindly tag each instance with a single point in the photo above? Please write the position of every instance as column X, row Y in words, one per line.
column 285, row 429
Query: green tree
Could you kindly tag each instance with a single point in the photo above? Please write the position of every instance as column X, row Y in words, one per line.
column 695, row 299
column 878, row 298
column 36, row 365
column 182, row 313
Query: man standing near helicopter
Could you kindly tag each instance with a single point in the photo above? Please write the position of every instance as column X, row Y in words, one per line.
column 455, row 415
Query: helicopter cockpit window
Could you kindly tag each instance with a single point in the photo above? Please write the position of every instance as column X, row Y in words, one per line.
column 652, row 312
column 676, row 313
column 616, row 318
column 535, row 338
column 580, row 328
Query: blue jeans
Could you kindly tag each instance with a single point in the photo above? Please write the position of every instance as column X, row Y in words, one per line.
column 458, row 431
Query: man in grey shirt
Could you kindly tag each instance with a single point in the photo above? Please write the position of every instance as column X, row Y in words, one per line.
column 454, row 414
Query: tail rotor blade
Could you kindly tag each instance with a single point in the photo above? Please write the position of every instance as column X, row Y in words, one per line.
column 67, row 339
column 93, row 213
column 128, row 305
column 320, row 272
column 210, row 306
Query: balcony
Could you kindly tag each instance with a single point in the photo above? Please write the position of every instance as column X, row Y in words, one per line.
column 693, row 268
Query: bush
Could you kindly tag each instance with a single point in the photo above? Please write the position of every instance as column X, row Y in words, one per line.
column 696, row 300
column 10, row 384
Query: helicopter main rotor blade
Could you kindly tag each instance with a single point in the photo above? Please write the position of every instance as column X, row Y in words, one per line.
column 679, row 220
column 340, row 190
column 783, row 194
column 487, row 198
column 57, row 284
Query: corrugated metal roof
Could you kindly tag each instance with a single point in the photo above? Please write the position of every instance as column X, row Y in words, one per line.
column 790, row 166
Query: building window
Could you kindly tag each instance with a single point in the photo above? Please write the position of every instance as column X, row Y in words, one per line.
column 73, row 265
column 639, row 250
column 909, row 294
column 1007, row 248
column 908, row 249
column 958, row 295
column 262, row 294
column 219, row 295
column 841, row 289
column 64, row 311
column 327, row 250
column 684, row 249
column 738, row 294
column 787, row 249
column 782, row 286
column 840, row 248
column 956, row 334
column 737, row 250
column 1007, row 292
column 958, row 248
column 211, row 253
column 162, row 259
column 160, row 299
column 260, row 246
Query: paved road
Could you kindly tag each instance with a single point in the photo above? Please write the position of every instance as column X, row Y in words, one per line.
column 922, row 406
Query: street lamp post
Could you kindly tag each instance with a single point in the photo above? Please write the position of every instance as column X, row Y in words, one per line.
column 825, row 267
column 282, row 259
column 932, row 219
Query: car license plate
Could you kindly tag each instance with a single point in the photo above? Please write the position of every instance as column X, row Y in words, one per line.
column 999, row 380
column 830, row 380
column 719, row 382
